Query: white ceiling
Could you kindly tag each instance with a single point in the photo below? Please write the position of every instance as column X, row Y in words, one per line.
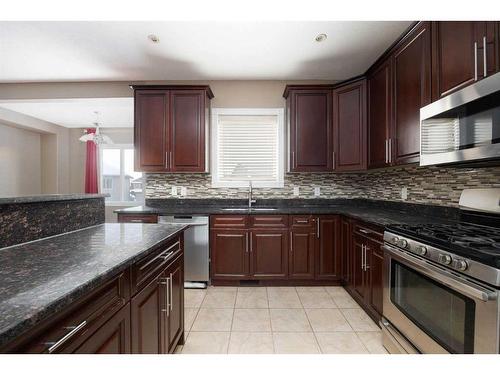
column 121, row 51
column 77, row 113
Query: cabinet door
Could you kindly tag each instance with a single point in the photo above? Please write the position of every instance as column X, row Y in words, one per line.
column 311, row 131
column 301, row 256
column 349, row 124
column 229, row 254
column 376, row 266
column 486, row 35
column 358, row 278
column 187, row 131
column 379, row 115
column 151, row 131
column 327, row 265
column 149, row 318
column 111, row 338
column 412, row 90
column 346, row 253
column 454, row 64
column 269, row 255
column 175, row 274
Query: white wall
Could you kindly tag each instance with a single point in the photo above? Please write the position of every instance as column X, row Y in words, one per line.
column 20, row 162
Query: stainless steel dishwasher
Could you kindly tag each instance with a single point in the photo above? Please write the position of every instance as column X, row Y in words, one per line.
column 196, row 254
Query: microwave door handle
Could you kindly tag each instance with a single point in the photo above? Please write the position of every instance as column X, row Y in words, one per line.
column 466, row 288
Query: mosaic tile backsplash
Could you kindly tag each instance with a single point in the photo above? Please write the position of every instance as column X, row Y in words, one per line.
column 431, row 185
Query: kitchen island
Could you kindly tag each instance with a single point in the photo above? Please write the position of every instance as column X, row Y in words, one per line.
column 83, row 291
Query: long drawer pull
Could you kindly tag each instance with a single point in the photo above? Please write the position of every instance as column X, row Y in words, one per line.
column 302, row 221
column 171, row 293
column 74, row 331
column 135, row 220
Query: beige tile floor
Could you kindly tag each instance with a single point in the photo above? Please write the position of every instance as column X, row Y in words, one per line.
column 280, row 320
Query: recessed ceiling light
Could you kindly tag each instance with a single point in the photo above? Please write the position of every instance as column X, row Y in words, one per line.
column 154, row 38
column 320, row 38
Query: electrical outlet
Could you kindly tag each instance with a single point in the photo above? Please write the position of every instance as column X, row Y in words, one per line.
column 174, row 191
column 317, row 191
column 184, row 191
column 404, row 193
column 296, row 191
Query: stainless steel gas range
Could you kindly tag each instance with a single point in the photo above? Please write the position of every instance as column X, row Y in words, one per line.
column 442, row 281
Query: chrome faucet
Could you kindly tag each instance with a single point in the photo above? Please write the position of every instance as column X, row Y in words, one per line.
column 250, row 200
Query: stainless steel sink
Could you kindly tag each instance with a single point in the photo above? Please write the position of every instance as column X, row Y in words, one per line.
column 235, row 209
column 263, row 209
column 243, row 209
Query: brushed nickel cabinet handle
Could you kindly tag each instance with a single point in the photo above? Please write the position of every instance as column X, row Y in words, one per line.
column 475, row 61
column 246, row 242
column 333, row 159
column 171, row 293
column 485, row 70
column 317, row 228
column 74, row 330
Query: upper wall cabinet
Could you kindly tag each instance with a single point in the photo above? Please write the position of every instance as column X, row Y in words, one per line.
column 327, row 127
column 379, row 115
column 309, row 118
column 171, row 128
column 412, row 90
column 349, row 127
column 463, row 53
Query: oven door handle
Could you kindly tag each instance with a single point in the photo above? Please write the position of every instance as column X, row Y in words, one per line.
column 470, row 289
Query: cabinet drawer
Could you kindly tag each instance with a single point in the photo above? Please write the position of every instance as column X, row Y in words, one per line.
column 149, row 266
column 149, row 218
column 70, row 328
column 229, row 221
column 370, row 231
column 269, row 221
column 302, row 221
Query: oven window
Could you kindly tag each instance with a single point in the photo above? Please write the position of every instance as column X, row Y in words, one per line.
column 442, row 313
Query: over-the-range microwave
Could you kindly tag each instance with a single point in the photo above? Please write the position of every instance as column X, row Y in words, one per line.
column 463, row 127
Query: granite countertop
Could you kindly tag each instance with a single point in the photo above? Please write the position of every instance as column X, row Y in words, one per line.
column 42, row 277
column 381, row 213
column 49, row 198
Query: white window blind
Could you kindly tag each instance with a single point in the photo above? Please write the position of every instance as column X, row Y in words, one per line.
column 248, row 146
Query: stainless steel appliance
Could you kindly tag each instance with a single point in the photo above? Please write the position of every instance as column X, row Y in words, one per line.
column 442, row 281
column 463, row 127
column 196, row 249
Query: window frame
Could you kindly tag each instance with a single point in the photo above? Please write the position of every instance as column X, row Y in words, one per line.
column 279, row 112
column 122, row 147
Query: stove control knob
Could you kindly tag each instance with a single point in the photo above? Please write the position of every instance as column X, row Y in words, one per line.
column 403, row 243
column 421, row 250
column 462, row 265
column 444, row 259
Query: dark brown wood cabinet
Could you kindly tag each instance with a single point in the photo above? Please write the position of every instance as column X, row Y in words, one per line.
column 139, row 311
column 148, row 322
column 309, row 119
column 412, row 90
column 379, row 115
column 328, row 257
column 137, row 218
column 365, row 283
column 113, row 337
column 302, row 248
column 170, row 128
column 458, row 55
column 175, row 330
column 349, row 127
column 230, row 258
column 345, row 249
column 269, row 253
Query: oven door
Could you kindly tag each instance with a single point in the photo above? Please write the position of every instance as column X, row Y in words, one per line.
column 436, row 310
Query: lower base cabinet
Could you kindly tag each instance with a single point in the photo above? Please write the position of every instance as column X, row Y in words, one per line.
column 366, row 271
column 139, row 311
column 302, row 252
column 269, row 253
column 112, row 338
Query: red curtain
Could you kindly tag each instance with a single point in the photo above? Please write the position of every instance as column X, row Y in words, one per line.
column 91, row 179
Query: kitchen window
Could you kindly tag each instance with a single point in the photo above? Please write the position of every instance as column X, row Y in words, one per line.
column 117, row 175
column 247, row 147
